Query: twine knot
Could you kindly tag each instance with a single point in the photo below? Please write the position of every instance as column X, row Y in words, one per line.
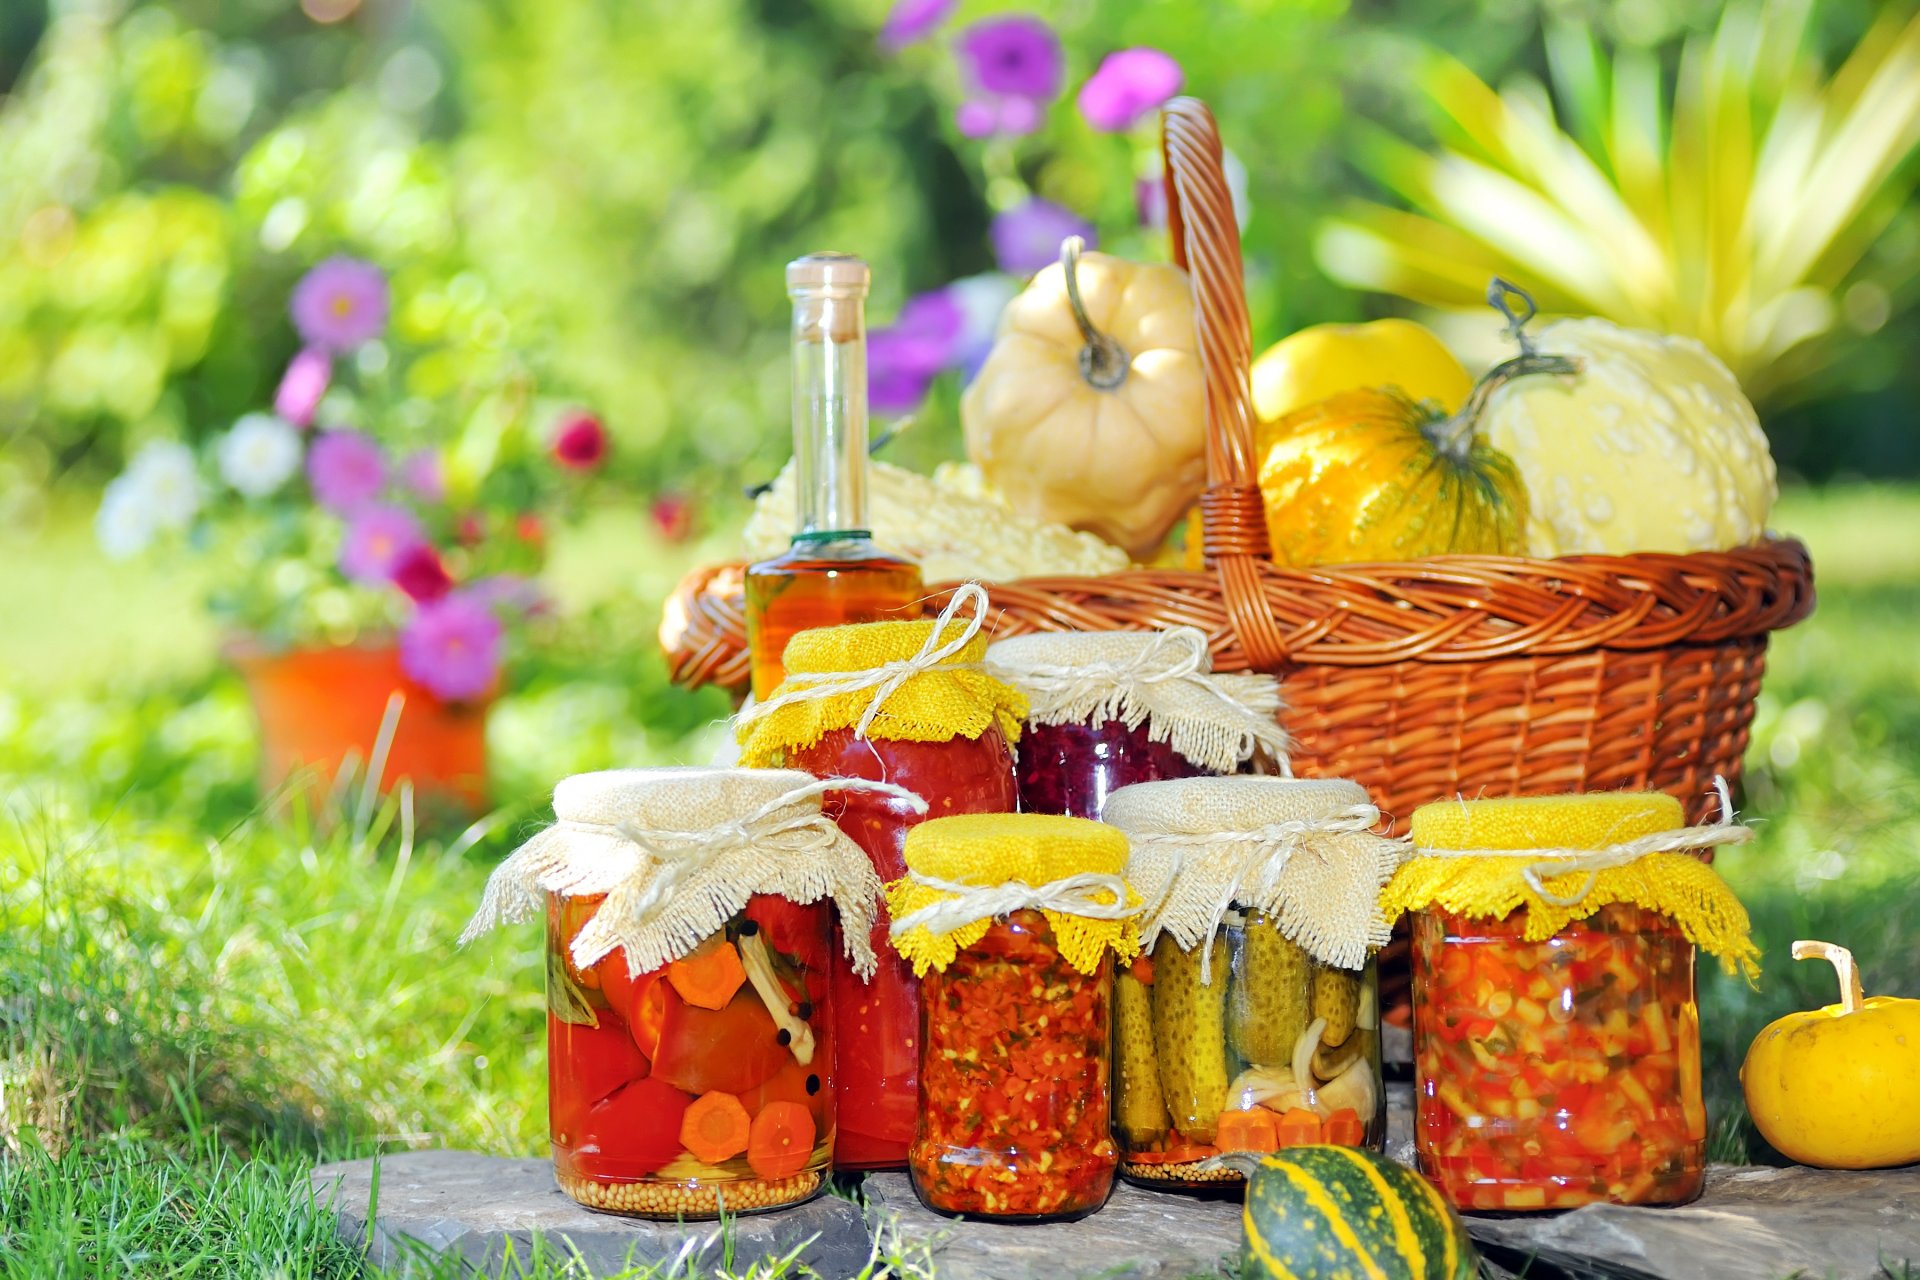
column 1090, row 894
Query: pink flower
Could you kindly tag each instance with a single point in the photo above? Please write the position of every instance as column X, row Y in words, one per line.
column 530, row 529
column 421, row 472
column 346, row 469
column 1014, row 56
column 983, row 116
column 1027, row 237
column 453, row 647
column 1128, row 86
column 673, row 516
column 470, row 529
column 1150, row 201
column 377, row 538
column 340, row 304
column 507, row 594
column 302, row 385
column 581, row 442
column 912, row 20
column 417, row 571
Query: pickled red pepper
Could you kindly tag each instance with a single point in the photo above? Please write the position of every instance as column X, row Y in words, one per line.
column 1556, row 1038
column 1012, row 921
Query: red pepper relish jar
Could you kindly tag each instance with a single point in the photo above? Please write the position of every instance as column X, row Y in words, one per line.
column 689, row 953
column 1556, row 1038
column 1252, row 1020
column 1107, row 709
column 943, row 729
column 1011, row 921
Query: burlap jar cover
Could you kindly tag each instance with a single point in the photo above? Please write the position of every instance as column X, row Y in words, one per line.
column 1563, row 858
column 678, row 852
column 1162, row 679
column 898, row 681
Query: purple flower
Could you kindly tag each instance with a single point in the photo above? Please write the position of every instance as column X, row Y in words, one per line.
column 507, row 593
column 912, row 20
column 346, row 470
column 378, row 539
column 1128, row 86
column 904, row 357
column 453, row 647
column 302, row 385
column 1017, row 56
column 1027, row 237
column 421, row 472
column 1150, row 200
column 986, row 115
column 340, row 304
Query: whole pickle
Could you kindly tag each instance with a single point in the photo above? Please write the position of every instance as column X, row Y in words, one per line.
column 1190, row 1036
column 1268, row 1008
column 1140, row 1106
column 1336, row 997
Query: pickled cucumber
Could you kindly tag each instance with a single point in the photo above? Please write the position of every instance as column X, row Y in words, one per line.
column 1140, row 1106
column 1336, row 997
column 1190, row 1036
column 1267, row 1009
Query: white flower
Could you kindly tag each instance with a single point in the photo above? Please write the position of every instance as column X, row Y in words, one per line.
column 124, row 524
column 259, row 454
column 167, row 481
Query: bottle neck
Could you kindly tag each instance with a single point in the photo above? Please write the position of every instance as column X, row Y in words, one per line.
column 830, row 412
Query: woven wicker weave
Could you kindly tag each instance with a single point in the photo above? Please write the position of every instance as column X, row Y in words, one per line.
column 1420, row 679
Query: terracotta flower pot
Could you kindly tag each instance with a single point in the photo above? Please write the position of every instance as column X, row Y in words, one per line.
column 318, row 706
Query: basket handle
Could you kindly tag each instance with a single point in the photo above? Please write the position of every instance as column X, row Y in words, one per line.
column 1206, row 241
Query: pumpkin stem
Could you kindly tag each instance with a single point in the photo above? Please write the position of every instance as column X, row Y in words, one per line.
column 1103, row 362
column 1842, row 961
column 1498, row 291
column 1454, row 435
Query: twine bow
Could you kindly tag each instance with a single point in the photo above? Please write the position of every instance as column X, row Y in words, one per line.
column 1090, row 894
column 887, row 678
column 1559, row 862
column 1266, row 852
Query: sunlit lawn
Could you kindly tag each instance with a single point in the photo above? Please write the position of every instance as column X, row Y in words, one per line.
column 197, row 997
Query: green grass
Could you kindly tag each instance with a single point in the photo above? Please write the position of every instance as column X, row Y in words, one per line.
column 201, row 994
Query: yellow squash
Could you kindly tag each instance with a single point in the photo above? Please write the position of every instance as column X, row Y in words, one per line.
column 1839, row 1087
column 1090, row 410
column 1325, row 359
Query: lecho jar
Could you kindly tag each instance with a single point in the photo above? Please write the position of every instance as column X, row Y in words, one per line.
column 1108, row 709
column 689, row 1001
column 944, row 730
column 1556, row 1038
column 1013, row 920
column 1251, row 1023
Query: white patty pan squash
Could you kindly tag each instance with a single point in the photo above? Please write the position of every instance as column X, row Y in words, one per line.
column 1090, row 410
column 1652, row 446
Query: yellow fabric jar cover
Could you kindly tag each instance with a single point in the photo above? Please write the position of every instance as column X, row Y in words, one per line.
column 895, row 681
column 1565, row 857
column 963, row 872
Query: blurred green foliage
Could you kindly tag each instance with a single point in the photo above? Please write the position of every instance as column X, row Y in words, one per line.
column 604, row 193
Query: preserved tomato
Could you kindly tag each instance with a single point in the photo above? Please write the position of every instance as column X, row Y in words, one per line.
column 1015, row 1091
column 699, row 1086
column 877, row 1023
column 1072, row 768
column 1560, row 1072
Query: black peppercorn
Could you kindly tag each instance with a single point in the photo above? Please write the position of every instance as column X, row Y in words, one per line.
column 813, row 1084
column 785, row 1037
column 749, row 927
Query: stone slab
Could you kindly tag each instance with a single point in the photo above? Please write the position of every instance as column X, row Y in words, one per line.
column 478, row 1208
column 1749, row 1224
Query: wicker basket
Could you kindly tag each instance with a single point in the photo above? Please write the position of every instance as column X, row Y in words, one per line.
column 1420, row 679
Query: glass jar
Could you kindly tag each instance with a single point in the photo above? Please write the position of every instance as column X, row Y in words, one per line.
column 1561, row 1072
column 702, row 1085
column 1014, row 1086
column 1275, row 1050
column 877, row 1023
column 1072, row 768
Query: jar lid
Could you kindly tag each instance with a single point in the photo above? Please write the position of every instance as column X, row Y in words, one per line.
column 892, row 681
column 1162, row 679
column 966, row 871
column 1565, row 857
column 1303, row 851
column 677, row 853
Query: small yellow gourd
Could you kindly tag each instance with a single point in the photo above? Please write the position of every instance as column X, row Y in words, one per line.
column 1090, row 410
column 1323, row 360
column 1839, row 1087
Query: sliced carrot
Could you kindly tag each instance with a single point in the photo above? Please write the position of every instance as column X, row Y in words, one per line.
column 781, row 1140
column 1299, row 1127
column 1344, row 1128
column 647, row 1012
column 708, row 979
column 1142, row 970
column 716, row 1127
column 1257, row 1129
column 1182, row 1152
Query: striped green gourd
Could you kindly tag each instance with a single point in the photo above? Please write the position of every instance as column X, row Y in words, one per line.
column 1344, row 1213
